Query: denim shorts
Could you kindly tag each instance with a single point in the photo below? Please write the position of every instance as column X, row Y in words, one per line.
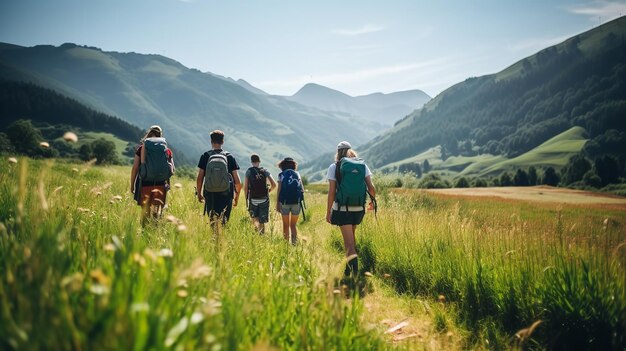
column 260, row 211
column 294, row 209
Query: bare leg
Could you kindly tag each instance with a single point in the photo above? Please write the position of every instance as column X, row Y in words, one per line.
column 294, row 230
column 286, row 227
column 349, row 241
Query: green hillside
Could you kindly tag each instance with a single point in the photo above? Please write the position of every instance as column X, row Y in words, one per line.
column 152, row 89
column 483, row 121
column 553, row 153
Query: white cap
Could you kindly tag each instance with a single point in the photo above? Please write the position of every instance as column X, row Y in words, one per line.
column 344, row 145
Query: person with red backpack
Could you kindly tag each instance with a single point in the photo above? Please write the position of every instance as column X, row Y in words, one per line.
column 150, row 175
column 218, row 184
column 349, row 184
column 257, row 193
column 290, row 197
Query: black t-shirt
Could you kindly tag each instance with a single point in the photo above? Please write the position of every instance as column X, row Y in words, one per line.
column 232, row 163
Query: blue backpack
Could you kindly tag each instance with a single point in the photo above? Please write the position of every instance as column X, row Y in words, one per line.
column 291, row 190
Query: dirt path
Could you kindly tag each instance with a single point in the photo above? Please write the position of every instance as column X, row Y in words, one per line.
column 544, row 194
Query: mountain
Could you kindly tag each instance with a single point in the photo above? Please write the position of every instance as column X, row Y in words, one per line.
column 54, row 114
column 379, row 107
column 152, row 89
column 580, row 82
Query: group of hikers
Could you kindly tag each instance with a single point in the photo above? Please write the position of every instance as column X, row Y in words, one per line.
column 218, row 187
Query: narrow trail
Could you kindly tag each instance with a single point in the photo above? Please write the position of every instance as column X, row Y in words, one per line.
column 400, row 320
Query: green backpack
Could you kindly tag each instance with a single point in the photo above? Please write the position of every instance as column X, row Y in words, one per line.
column 351, row 187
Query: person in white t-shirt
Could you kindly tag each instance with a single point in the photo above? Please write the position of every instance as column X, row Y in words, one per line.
column 347, row 217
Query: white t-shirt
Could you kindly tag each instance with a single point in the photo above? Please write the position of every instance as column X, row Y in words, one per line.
column 333, row 168
column 331, row 176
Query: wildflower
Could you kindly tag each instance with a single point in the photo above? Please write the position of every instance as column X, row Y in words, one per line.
column 441, row 298
column 178, row 185
column 75, row 170
column 72, row 282
column 181, row 228
column 368, row 274
column 182, row 293
column 170, row 218
column 70, row 137
column 109, row 247
column 117, row 197
column 139, row 259
column 386, row 275
column 12, row 160
column 44, row 144
column 165, row 253
column 336, row 291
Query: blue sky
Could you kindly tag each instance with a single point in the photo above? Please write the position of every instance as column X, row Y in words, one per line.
column 358, row 47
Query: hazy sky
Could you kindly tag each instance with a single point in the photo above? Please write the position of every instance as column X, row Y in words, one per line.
column 357, row 47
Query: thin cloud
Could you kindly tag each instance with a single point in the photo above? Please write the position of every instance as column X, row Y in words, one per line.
column 366, row 29
column 606, row 10
column 334, row 79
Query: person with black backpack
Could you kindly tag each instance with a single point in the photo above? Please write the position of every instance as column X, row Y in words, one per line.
column 218, row 184
column 257, row 193
column 290, row 197
column 349, row 184
column 150, row 175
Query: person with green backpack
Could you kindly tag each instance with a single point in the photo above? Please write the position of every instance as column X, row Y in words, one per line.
column 349, row 184
column 152, row 169
column 218, row 184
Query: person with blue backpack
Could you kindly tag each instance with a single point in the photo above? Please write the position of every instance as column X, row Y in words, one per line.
column 218, row 184
column 349, row 184
column 290, row 197
column 150, row 175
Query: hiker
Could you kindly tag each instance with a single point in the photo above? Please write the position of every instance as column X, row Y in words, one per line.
column 217, row 170
column 150, row 175
column 257, row 193
column 290, row 197
column 349, row 182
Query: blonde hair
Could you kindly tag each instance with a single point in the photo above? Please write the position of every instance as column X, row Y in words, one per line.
column 153, row 132
column 341, row 153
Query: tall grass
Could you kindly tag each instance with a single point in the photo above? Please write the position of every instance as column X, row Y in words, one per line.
column 77, row 271
column 503, row 266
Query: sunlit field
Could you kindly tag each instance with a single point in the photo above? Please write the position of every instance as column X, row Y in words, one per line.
column 77, row 271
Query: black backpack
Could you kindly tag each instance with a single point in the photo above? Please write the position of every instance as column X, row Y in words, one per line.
column 257, row 183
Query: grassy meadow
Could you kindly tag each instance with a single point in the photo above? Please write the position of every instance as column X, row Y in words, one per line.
column 77, row 271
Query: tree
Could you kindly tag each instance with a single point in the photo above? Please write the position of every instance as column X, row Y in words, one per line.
column 462, row 183
column 576, row 168
column 533, row 179
column 426, row 167
column 104, row 151
column 85, row 153
column 591, row 179
column 550, row 177
column 520, row 178
column 24, row 137
column 411, row 167
column 505, row 179
column 5, row 144
column 480, row 183
column 608, row 169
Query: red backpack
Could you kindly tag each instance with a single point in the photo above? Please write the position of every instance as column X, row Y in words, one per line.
column 257, row 183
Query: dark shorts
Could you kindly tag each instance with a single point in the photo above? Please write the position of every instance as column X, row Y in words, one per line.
column 218, row 204
column 346, row 217
column 260, row 211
